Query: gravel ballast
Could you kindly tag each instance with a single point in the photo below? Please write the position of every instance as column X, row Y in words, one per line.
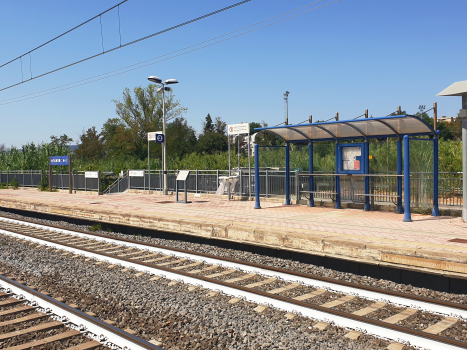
column 178, row 318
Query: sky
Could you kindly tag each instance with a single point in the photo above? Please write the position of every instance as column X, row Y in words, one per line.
column 344, row 57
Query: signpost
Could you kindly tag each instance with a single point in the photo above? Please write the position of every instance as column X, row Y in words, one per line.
column 158, row 137
column 237, row 130
column 61, row 160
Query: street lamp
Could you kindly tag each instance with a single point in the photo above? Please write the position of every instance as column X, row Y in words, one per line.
column 164, row 88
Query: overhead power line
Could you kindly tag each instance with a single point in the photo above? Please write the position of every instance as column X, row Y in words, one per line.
column 168, row 56
column 128, row 44
column 68, row 31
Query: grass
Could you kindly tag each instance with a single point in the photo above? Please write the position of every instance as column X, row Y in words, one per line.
column 96, row 227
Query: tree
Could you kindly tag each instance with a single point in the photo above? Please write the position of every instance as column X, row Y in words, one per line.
column 180, row 138
column 213, row 139
column 141, row 113
column 116, row 139
column 207, row 124
column 60, row 141
column 90, row 146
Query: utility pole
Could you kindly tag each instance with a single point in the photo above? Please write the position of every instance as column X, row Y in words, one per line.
column 286, row 107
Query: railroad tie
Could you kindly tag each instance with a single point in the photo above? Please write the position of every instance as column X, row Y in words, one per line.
column 145, row 256
column 367, row 310
column 234, row 300
column 310, row 295
column 172, row 262
column 322, row 326
column 338, row 302
column 260, row 308
column 354, row 335
column 283, row 289
column 34, row 329
column 213, row 267
column 187, row 266
column 395, row 346
column 157, row 259
column 61, row 336
column 260, row 283
column 442, row 325
column 127, row 254
column 400, row 316
column 86, row 346
column 227, row 272
column 241, row 278
column 23, row 319
column 16, row 310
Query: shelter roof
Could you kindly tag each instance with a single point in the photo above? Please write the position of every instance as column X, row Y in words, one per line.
column 394, row 126
column 457, row 89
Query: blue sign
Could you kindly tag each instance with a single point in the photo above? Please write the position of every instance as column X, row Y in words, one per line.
column 59, row 160
column 159, row 138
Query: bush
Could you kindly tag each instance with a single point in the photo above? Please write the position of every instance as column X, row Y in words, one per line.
column 14, row 184
column 4, row 185
column 44, row 184
column 96, row 227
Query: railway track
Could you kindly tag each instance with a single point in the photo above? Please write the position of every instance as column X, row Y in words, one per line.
column 391, row 315
column 33, row 320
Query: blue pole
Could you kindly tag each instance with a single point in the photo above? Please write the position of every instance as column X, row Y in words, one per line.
column 311, row 201
column 287, row 174
column 257, row 188
column 435, row 176
column 338, row 179
column 407, row 216
column 399, row 209
column 366, row 158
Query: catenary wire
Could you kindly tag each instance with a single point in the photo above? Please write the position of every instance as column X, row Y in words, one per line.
column 158, row 57
column 130, row 43
column 101, row 77
column 68, row 31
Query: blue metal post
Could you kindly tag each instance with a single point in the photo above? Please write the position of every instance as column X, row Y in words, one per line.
column 257, row 186
column 287, row 174
column 435, row 176
column 407, row 216
column 338, row 179
column 311, row 201
column 399, row 178
column 366, row 153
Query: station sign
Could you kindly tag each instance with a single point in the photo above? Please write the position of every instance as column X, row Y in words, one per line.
column 157, row 136
column 238, row 129
column 91, row 174
column 59, row 160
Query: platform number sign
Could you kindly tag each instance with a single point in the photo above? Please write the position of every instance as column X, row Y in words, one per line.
column 159, row 138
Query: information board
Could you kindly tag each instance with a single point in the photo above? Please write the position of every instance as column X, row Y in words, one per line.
column 349, row 157
column 91, row 174
column 182, row 175
column 136, row 173
column 238, row 129
column 157, row 136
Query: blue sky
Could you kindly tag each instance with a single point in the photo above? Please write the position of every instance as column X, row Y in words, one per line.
column 345, row 57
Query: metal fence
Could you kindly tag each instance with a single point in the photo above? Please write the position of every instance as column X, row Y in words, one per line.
column 32, row 178
column 272, row 184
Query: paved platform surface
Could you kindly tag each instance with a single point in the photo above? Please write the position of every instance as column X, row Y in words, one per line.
column 425, row 243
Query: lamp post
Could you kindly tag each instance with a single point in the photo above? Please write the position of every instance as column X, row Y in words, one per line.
column 164, row 88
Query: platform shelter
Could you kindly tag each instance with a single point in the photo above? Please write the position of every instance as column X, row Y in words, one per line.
column 352, row 159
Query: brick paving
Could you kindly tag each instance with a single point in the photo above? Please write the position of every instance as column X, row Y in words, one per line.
column 432, row 233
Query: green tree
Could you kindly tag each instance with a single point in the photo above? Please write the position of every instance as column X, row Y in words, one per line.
column 60, row 141
column 141, row 112
column 213, row 139
column 180, row 138
column 90, row 146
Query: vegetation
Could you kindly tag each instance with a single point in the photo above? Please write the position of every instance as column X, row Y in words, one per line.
column 121, row 144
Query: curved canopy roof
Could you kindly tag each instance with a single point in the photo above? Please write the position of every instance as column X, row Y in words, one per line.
column 394, row 126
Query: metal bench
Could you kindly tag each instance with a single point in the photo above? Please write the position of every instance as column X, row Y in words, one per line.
column 323, row 192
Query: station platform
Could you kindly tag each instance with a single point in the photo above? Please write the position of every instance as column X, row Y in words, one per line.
column 436, row 245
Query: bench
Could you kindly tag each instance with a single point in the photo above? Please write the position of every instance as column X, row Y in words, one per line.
column 323, row 192
column 378, row 195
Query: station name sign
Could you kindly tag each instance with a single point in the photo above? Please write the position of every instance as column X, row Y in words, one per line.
column 157, row 136
column 59, row 160
column 238, row 129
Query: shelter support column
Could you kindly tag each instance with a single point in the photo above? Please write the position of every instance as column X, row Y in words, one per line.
column 257, row 185
column 338, row 179
column 435, row 211
column 366, row 156
column 407, row 215
column 287, row 173
column 311, row 201
column 399, row 209
column 464, row 163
